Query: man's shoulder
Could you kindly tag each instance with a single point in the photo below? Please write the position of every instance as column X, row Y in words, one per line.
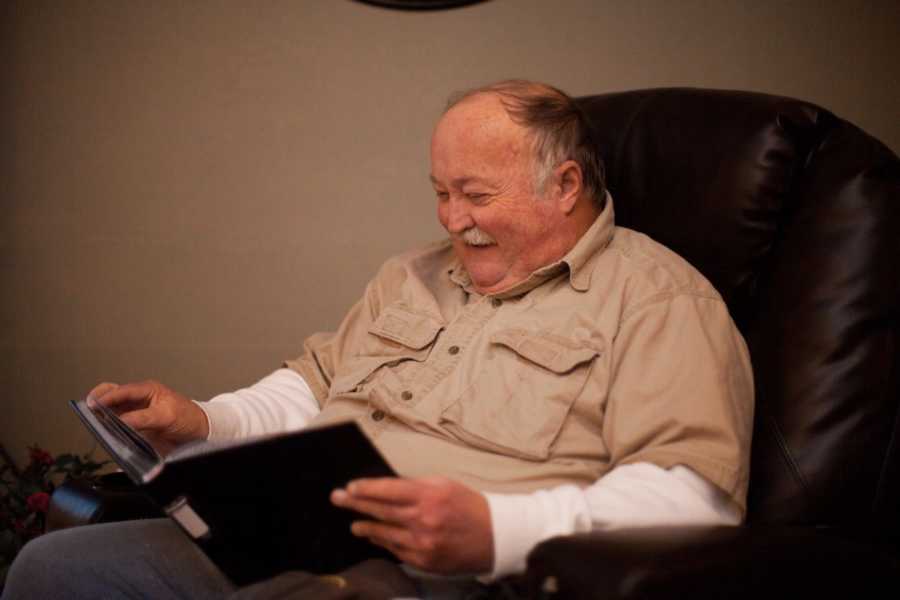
column 650, row 268
column 423, row 262
column 425, row 257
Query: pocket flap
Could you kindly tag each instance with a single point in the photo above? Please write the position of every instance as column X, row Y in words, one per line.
column 413, row 330
column 554, row 353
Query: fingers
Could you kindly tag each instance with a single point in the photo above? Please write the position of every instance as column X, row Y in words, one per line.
column 395, row 539
column 432, row 523
column 166, row 418
column 399, row 526
column 381, row 510
column 124, row 396
column 391, row 541
column 99, row 390
column 386, row 489
column 144, row 420
column 416, row 548
column 144, row 406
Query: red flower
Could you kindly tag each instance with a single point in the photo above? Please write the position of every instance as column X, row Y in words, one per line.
column 38, row 502
column 40, row 456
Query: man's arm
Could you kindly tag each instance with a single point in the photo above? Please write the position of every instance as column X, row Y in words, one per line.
column 281, row 401
column 635, row 495
column 439, row 525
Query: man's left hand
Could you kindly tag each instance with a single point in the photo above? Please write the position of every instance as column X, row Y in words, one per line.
column 432, row 523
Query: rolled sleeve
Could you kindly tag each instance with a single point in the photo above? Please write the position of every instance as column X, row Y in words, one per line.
column 683, row 392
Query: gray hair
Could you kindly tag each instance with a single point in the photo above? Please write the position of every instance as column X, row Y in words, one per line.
column 558, row 128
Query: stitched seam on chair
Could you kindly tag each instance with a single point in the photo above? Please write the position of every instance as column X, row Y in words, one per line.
column 790, row 206
column 787, row 455
column 825, row 126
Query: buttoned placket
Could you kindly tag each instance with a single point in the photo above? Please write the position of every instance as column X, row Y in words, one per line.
column 445, row 356
column 450, row 347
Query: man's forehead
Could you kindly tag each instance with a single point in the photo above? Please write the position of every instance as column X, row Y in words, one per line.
column 481, row 116
column 478, row 129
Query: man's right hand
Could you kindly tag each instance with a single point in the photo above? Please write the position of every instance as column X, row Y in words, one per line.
column 164, row 417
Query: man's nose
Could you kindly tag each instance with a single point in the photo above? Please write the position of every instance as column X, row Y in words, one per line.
column 459, row 218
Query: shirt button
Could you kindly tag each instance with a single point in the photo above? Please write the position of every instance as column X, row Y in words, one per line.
column 496, row 302
column 406, row 395
column 378, row 415
column 453, row 349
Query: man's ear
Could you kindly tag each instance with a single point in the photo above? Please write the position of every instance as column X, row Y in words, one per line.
column 568, row 185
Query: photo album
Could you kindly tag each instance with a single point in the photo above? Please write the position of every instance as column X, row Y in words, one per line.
column 258, row 506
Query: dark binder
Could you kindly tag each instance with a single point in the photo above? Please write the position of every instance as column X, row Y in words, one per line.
column 257, row 507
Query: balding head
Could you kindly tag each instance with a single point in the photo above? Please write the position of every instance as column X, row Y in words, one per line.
column 557, row 129
column 503, row 226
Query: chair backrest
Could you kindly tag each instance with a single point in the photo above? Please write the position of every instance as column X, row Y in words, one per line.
column 794, row 215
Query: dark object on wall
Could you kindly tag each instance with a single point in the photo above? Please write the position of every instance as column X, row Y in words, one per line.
column 420, row 4
column 794, row 215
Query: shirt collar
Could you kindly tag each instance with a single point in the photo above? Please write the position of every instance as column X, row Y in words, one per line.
column 589, row 246
column 577, row 260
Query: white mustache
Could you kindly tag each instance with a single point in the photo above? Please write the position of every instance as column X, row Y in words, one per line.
column 476, row 237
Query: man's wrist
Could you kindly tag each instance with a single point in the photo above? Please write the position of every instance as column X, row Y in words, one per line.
column 205, row 426
column 515, row 532
column 221, row 421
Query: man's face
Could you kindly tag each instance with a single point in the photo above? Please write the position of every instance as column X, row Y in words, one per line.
column 482, row 170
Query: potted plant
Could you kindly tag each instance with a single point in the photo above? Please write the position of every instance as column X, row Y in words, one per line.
column 25, row 495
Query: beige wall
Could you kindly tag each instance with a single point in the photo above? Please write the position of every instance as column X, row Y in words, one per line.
column 190, row 188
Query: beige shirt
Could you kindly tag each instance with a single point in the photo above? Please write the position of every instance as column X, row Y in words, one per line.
column 619, row 353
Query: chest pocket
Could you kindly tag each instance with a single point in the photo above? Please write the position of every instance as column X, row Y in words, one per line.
column 398, row 335
column 519, row 401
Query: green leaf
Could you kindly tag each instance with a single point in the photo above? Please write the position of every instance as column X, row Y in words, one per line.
column 64, row 460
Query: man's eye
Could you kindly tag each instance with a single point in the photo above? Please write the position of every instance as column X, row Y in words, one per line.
column 476, row 196
column 442, row 195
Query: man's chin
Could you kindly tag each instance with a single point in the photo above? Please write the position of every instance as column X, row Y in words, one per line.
column 485, row 279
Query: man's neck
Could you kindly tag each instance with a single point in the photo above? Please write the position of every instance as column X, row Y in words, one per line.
column 580, row 220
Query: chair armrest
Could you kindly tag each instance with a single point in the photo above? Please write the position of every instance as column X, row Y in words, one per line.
column 712, row 562
column 113, row 498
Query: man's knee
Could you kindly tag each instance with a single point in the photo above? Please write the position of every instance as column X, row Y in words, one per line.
column 145, row 558
column 40, row 568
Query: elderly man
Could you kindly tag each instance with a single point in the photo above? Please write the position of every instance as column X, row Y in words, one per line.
column 542, row 372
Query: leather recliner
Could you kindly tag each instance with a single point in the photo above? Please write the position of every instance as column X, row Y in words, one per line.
column 794, row 215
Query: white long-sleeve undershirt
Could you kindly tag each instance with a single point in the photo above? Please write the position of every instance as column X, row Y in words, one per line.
column 279, row 402
column 635, row 495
